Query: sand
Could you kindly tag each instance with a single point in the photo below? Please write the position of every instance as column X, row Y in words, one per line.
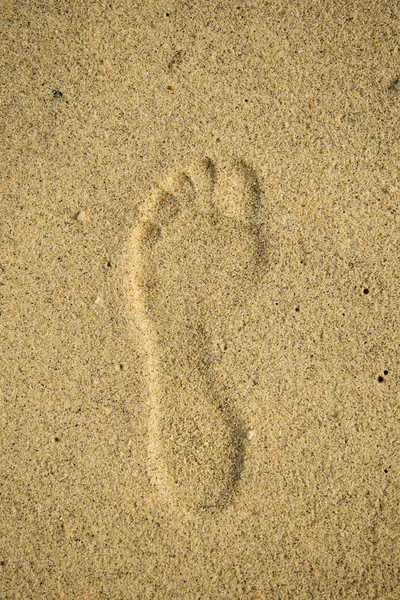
column 199, row 300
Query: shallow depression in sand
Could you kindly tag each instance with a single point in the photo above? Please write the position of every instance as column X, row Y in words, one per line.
column 196, row 252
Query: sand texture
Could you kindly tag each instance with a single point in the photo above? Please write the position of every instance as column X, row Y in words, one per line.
column 199, row 300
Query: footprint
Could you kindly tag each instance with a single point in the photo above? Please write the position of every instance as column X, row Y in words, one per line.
column 196, row 254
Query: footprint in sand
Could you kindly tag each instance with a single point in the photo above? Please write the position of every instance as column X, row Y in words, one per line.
column 196, row 254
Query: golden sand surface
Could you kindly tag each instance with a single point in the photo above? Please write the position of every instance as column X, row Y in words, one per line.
column 200, row 328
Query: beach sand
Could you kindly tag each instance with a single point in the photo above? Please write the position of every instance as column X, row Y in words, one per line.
column 200, row 328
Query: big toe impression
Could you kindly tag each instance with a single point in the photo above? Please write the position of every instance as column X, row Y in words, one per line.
column 238, row 192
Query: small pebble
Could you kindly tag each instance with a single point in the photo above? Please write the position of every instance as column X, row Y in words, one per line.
column 395, row 85
column 81, row 216
column 250, row 434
